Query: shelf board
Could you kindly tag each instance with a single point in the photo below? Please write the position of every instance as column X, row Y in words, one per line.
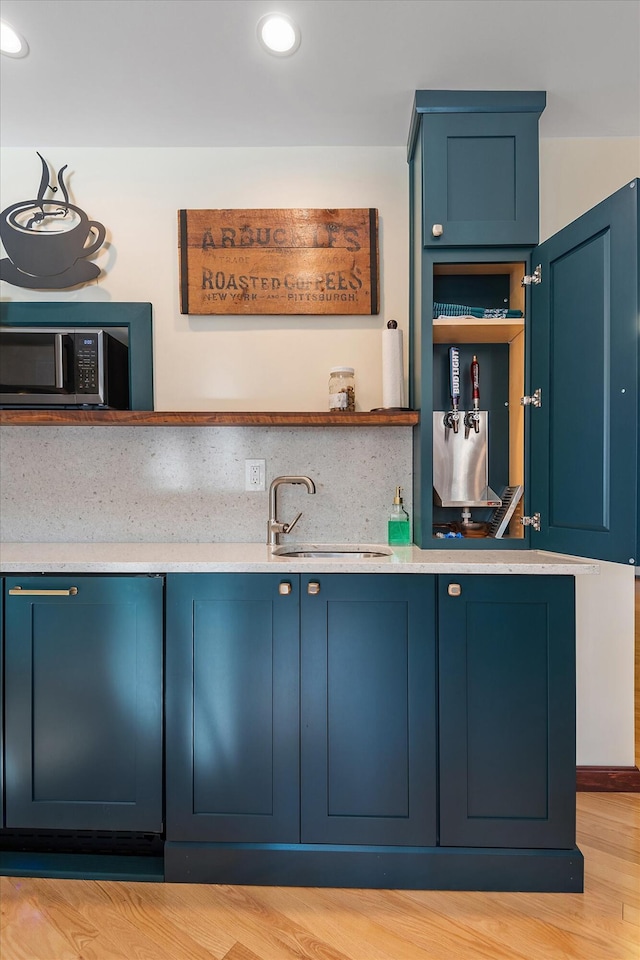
column 466, row 330
column 160, row 418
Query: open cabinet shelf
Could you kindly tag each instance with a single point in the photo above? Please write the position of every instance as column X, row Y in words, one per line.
column 471, row 330
column 499, row 346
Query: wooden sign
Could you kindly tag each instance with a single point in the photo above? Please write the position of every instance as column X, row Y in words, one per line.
column 278, row 261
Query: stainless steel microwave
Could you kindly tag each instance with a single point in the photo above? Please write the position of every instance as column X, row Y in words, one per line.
column 63, row 367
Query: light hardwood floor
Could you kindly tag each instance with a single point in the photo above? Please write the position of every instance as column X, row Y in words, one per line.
column 97, row 920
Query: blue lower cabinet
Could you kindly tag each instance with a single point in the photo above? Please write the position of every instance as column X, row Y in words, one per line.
column 368, row 709
column 1, row 704
column 301, row 710
column 83, row 703
column 507, row 711
column 232, row 710
column 364, row 730
column 302, row 731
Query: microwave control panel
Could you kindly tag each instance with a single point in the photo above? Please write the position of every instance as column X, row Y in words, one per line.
column 87, row 362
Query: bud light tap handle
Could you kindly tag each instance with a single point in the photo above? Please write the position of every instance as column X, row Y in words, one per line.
column 454, row 376
column 452, row 417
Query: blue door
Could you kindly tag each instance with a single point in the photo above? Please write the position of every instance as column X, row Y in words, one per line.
column 368, row 709
column 1, row 706
column 232, row 708
column 83, row 707
column 480, row 179
column 507, row 711
column 584, row 360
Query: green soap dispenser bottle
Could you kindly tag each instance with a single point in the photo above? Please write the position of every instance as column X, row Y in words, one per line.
column 399, row 533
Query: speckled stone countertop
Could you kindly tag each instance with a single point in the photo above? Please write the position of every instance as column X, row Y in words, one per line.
column 79, row 558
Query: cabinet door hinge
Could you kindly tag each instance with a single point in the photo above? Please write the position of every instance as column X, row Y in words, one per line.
column 533, row 521
column 535, row 277
column 535, row 399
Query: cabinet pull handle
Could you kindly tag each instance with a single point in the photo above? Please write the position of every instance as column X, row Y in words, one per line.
column 437, row 229
column 313, row 588
column 21, row 592
column 284, row 589
column 454, row 589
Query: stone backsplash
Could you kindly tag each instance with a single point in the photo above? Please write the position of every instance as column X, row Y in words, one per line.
column 171, row 484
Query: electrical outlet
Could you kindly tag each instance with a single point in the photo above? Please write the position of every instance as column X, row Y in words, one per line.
column 255, row 475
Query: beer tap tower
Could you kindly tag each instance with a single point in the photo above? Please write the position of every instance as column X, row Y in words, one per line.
column 460, row 460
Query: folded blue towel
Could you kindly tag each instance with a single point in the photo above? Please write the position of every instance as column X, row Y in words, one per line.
column 482, row 313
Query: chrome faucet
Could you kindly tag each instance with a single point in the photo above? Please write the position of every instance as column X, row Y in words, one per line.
column 274, row 526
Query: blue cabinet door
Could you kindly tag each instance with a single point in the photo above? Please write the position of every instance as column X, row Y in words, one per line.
column 1, row 704
column 232, row 708
column 479, row 156
column 83, row 703
column 368, row 709
column 584, row 359
column 507, row 711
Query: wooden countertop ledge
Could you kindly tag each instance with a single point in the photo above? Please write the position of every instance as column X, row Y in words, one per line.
column 160, row 418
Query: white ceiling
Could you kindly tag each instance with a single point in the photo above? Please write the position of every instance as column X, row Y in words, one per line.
column 190, row 73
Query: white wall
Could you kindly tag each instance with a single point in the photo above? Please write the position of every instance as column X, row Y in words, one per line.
column 230, row 363
column 577, row 174
column 605, row 667
column 277, row 363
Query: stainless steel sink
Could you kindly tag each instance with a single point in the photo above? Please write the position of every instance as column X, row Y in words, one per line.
column 331, row 553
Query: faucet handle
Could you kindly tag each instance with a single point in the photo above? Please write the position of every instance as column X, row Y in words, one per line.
column 288, row 527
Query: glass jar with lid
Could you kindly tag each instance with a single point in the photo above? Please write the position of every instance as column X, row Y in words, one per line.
column 342, row 389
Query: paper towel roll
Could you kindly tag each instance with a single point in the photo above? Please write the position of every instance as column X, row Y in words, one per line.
column 392, row 368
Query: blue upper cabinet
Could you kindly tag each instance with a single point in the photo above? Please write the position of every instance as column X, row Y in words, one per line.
column 479, row 158
column 585, row 362
column 566, row 372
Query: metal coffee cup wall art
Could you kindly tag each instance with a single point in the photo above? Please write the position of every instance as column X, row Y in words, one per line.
column 48, row 240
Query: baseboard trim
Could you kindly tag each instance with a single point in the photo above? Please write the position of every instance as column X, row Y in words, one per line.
column 608, row 779
column 81, row 866
column 530, row 870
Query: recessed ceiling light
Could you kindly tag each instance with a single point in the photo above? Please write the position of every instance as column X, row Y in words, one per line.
column 278, row 34
column 11, row 43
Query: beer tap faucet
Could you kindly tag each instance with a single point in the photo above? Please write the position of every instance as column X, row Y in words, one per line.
column 472, row 417
column 452, row 417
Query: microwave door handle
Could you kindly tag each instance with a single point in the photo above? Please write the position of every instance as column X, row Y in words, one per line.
column 57, row 357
